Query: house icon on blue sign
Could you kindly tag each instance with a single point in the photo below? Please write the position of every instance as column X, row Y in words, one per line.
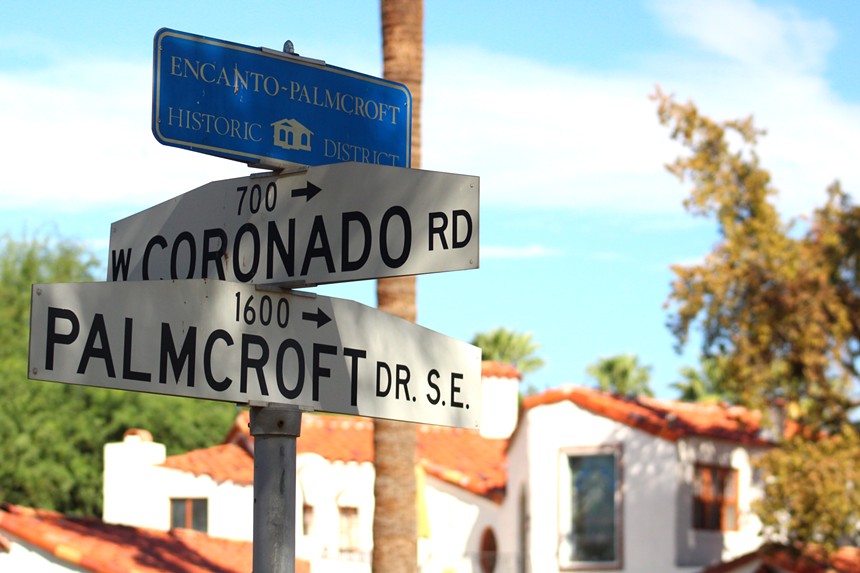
column 291, row 134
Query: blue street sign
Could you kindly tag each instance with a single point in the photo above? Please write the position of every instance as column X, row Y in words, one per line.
column 263, row 106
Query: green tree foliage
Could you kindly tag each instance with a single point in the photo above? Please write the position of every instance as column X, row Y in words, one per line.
column 816, row 479
column 783, row 312
column 779, row 304
column 622, row 374
column 707, row 384
column 23, row 263
column 502, row 345
column 52, row 435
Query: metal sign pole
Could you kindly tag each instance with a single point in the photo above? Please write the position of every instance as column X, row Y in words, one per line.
column 275, row 429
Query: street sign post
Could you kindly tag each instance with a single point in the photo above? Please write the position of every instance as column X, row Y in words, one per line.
column 266, row 107
column 341, row 222
column 180, row 315
column 236, row 343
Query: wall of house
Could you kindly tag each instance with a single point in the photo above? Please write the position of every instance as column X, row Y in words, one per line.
column 137, row 492
column 514, row 520
column 457, row 522
column 456, row 519
column 707, row 547
column 326, row 487
column 651, row 473
column 231, row 506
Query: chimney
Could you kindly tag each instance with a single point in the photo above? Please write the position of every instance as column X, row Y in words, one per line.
column 127, row 486
column 500, row 399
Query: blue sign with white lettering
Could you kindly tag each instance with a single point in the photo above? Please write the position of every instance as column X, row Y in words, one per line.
column 262, row 106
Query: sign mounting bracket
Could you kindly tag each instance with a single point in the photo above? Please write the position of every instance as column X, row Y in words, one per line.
column 289, row 52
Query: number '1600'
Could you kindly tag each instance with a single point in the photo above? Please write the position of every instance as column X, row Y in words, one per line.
column 262, row 310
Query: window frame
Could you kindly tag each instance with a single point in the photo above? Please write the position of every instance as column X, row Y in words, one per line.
column 488, row 555
column 349, row 530
column 189, row 504
column 307, row 519
column 707, row 501
column 565, row 501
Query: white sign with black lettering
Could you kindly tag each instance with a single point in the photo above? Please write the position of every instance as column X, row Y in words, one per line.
column 230, row 342
column 332, row 223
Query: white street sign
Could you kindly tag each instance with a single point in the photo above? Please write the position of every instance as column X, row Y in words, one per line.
column 332, row 223
column 236, row 343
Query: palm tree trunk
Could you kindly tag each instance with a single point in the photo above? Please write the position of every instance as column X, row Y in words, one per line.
column 395, row 530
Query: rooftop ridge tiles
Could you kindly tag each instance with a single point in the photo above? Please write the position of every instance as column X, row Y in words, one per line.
column 667, row 419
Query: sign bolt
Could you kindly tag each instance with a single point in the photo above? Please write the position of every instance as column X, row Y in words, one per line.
column 290, row 48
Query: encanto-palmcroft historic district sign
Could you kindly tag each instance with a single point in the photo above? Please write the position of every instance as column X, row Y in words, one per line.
column 272, row 108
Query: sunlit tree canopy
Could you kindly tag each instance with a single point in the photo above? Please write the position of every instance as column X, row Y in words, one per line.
column 503, row 345
column 778, row 306
column 622, row 374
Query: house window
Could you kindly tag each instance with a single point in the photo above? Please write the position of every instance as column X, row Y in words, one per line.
column 189, row 513
column 349, row 530
column 590, row 508
column 307, row 519
column 715, row 498
column 489, row 551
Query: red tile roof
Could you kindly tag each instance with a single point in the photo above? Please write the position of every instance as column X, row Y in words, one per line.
column 227, row 462
column 668, row 419
column 457, row 456
column 337, row 438
column 464, row 458
column 845, row 560
column 492, row 369
column 467, row 460
column 460, row 457
column 104, row 548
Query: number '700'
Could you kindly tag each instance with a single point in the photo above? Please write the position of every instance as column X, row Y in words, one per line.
column 256, row 199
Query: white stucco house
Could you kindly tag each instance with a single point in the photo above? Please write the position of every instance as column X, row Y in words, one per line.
column 577, row 480
column 461, row 477
column 603, row 482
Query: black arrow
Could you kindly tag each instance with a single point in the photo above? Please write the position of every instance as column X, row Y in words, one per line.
column 319, row 317
column 308, row 192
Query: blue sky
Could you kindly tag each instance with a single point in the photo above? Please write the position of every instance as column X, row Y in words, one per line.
column 547, row 101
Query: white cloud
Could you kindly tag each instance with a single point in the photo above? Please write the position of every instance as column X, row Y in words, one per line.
column 538, row 135
column 758, row 37
column 544, row 136
column 78, row 134
column 772, row 69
